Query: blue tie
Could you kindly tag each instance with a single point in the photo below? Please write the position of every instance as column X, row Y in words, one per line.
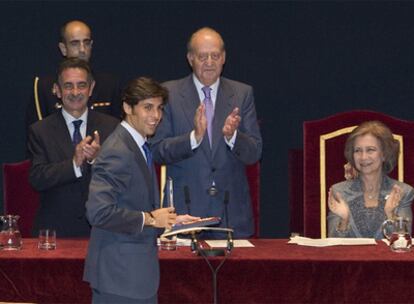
column 77, row 137
column 148, row 154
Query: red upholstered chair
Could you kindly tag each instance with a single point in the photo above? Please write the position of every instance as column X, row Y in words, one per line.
column 19, row 196
column 253, row 178
column 324, row 142
column 295, row 169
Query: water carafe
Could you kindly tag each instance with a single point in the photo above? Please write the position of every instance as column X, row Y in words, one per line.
column 10, row 237
column 396, row 232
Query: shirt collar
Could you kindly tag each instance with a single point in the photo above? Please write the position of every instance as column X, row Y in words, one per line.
column 69, row 118
column 199, row 86
column 138, row 138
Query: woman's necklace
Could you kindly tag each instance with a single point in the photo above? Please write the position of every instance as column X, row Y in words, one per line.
column 371, row 192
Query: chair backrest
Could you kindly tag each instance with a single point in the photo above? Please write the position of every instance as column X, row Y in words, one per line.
column 19, row 196
column 323, row 162
column 253, row 178
column 295, row 176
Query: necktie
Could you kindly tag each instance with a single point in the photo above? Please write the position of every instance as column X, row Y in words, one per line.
column 209, row 112
column 77, row 137
column 148, row 154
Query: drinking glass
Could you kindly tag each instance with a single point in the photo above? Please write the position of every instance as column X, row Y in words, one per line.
column 47, row 239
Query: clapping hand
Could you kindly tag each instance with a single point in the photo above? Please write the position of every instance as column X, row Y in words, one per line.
column 392, row 201
column 91, row 147
column 232, row 123
column 200, row 122
column 338, row 205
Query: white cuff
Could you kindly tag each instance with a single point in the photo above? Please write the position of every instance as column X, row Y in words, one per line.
column 143, row 220
column 193, row 141
column 232, row 140
column 77, row 170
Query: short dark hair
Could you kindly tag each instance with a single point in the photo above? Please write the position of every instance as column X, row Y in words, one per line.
column 142, row 88
column 74, row 63
column 390, row 147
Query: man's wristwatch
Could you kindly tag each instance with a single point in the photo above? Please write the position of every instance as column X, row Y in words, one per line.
column 151, row 219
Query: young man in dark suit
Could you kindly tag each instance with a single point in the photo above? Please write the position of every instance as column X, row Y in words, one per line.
column 122, row 261
column 62, row 147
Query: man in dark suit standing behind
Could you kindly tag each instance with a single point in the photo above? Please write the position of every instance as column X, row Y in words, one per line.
column 62, row 148
column 76, row 42
column 208, row 135
column 122, row 261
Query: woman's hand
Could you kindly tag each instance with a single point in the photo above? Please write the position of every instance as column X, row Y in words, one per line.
column 338, row 205
column 393, row 201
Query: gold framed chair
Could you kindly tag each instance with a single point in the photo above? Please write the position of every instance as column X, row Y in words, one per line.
column 323, row 162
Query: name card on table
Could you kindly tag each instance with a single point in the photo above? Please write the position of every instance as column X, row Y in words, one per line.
column 223, row 243
column 304, row 241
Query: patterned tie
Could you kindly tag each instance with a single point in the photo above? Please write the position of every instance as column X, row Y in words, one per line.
column 77, row 137
column 148, row 154
column 209, row 112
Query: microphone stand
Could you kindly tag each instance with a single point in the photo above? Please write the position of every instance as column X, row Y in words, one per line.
column 226, row 207
column 205, row 253
column 187, row 199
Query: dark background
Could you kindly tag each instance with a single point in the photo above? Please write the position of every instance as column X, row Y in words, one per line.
column 305, row 60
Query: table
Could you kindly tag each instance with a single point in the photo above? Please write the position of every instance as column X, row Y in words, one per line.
column 272, row 272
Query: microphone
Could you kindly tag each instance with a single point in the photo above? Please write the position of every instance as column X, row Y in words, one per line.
column 187, row 199
column 230, row 243
column 226, row 209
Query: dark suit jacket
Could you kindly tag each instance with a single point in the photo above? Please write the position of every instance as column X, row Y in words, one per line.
column 121, row 258
column 62, row 194
column 105, row 98
column 199, row 168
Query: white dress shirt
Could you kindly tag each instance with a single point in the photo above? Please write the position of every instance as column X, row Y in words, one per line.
column 69, row 119
column 214, row 89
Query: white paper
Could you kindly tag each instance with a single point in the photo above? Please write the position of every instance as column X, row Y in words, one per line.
column 299, row 240
column 223, row 243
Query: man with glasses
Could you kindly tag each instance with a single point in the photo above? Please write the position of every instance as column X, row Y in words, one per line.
column 76, row 42
column 208, row 135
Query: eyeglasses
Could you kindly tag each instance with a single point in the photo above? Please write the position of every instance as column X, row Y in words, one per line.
column 204, row 56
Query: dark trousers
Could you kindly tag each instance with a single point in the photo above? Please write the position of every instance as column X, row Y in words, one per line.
column 107, row 298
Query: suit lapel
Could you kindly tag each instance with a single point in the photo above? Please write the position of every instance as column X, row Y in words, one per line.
column 64, row 139
column 190, row 98
column 222, row 109
column 142, row 164
column 91, row 123
column 191, row 101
